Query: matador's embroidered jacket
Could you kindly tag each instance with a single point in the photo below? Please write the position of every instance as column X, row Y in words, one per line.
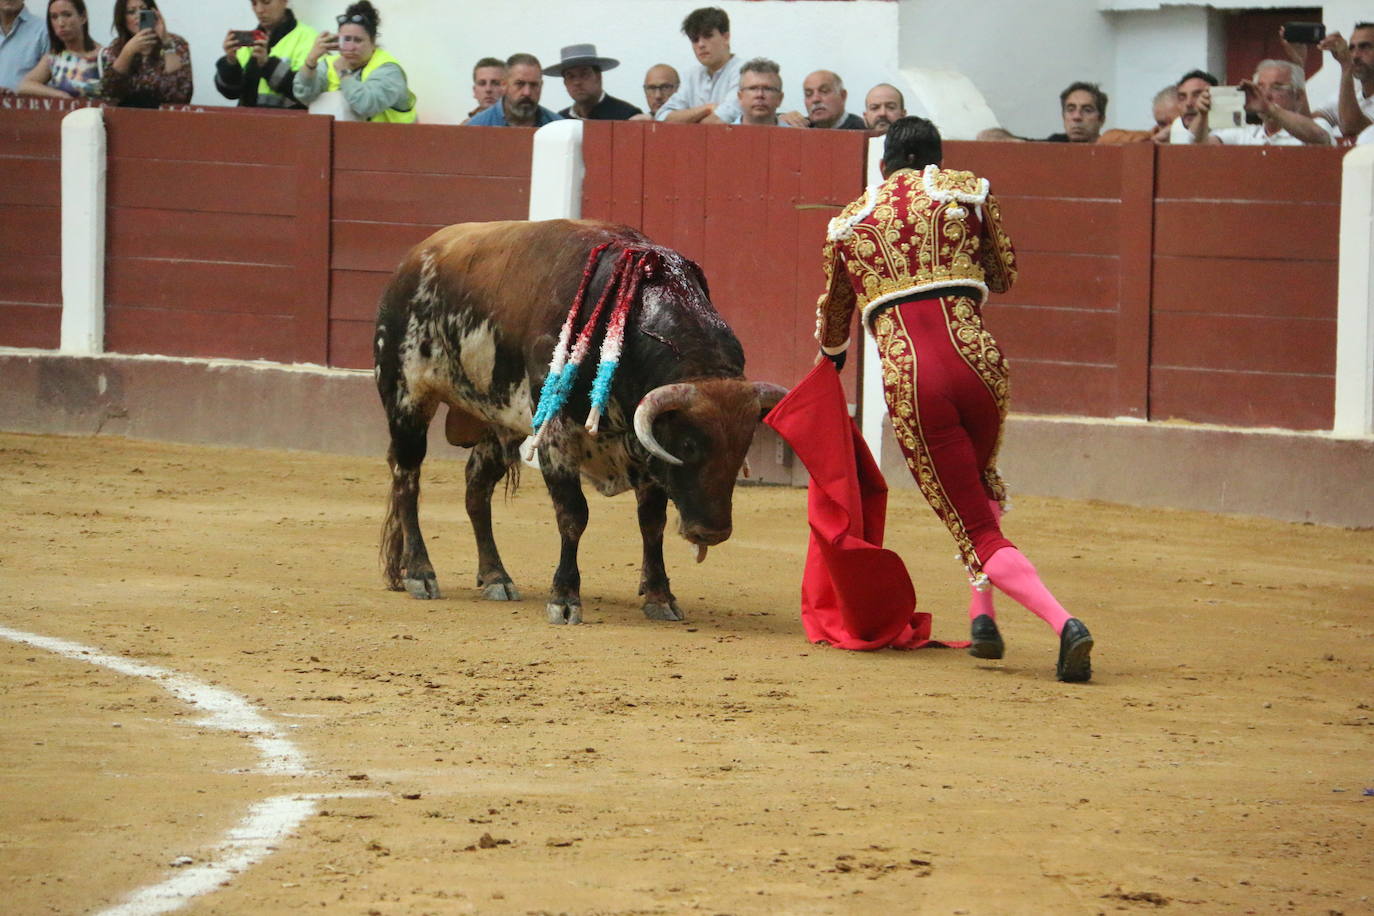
column 916, row 231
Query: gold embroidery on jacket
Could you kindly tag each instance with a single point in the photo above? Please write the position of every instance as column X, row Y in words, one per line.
column 982, row 354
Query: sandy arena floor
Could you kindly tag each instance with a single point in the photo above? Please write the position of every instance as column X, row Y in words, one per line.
column 1221, row 761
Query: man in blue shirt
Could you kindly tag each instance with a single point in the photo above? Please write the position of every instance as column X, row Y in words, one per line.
column 519, row 107
column 23, row 41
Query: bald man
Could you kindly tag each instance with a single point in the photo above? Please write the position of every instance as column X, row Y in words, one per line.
column 825, row 95
column 883, row 105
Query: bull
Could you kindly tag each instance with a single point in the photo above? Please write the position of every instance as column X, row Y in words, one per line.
column 472, row 319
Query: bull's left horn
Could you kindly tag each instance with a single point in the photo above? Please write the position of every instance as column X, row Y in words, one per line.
column 660, row 400
column 769, row 396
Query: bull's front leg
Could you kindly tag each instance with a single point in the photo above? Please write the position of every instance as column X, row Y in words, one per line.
column 570, row 509
column 659, row 603
column 489, row 461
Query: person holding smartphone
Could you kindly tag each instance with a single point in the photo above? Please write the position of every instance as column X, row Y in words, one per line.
column 259, row 67
column 372, row 82
column 71, row 68
column 145, row 66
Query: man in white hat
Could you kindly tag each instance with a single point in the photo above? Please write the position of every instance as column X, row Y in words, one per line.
column 581, row 71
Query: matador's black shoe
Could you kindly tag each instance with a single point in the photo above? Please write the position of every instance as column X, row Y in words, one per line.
column 987, row 642
column 1075, row 647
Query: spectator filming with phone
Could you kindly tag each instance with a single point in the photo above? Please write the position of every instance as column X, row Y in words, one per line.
column 1278, row 94
column 145, row 66
column 71, row 68
column 259, row 65
column 368, row 80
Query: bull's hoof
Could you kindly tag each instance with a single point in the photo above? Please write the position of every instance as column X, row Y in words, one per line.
column 501, row 591
column 425, row 585
column 656, row 610
column 561, row 612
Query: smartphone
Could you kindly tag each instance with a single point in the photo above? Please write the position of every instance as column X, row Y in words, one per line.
column 246, row 39
column 1303, row 33
column 1228, row 107
column 147, row 19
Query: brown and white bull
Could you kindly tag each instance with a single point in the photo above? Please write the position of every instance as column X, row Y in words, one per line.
column 471, row 319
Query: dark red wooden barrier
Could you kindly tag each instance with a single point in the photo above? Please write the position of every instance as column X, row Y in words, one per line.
column 749, row 205
column 392, row 187
column 217, row 235
column 31, row 228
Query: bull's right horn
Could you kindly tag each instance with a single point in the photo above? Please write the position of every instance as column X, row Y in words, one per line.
column 660, row 400
column 769, row 396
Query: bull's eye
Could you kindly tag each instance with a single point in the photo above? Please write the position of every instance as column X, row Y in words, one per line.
column 690, row 451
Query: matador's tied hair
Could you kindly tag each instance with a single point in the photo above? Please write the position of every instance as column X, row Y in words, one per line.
column 912, row 143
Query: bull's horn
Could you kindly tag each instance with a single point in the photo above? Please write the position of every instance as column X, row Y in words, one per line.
column 661, row 399
column 769, row 396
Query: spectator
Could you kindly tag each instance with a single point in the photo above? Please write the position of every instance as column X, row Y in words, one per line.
column 372, row 82
column 1353, row 107
column 883, row 105
column 581, row 70
column 145, row 68
column 659, row 85
column 71, row 69
column 1164, row 108
column 1277, row 95
column 520, row 104
column 23, row 43
column 1083, row 107
column 825, row 95
column 262, row 72
column 488, row 84
column 1191, row 88
column 710, row 93
column 760, row 93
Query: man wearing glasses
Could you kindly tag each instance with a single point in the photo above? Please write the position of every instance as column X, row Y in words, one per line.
column 760, row 93
column 659, row 85
column 1353, row 108
column 1278, row 95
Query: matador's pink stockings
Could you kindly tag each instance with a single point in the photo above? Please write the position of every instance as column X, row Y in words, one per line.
column 1010, row 571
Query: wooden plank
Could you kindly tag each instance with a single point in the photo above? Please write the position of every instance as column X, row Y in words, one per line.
column 657, row 186
column 350, row 344
column 1056, row 279
column 598, row 157
column 793, row 281
column 687, row 180
column 309, row 244
column 1061, row 225
column 213, row 187
column 1283, row 345
column 30, row 182
column 629, row 180
column 355, row 294
column 439, row 149
column 205, row 335
column 1040, row 386
column 374, row 246
column 180, row 285
column 31, row 134
column 1301, row 175
column 28, row 325
column 1282, row 231
column 392, row 197
column 1057, row 170
column 29, row 231
column 1132, row 326
column 1245, row 286
column 236, row 237
column 1058, row 334
column 35, row 279
column 229, row 136
column 1243, row 398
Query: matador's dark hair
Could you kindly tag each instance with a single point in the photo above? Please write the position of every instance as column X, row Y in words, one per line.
column 912, row 143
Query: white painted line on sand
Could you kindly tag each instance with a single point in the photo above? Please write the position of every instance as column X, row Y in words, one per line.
column 268, row 821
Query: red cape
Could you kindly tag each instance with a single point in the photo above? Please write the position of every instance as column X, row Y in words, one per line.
column 855, row 594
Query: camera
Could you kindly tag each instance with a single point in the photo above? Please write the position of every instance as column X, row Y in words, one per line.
column 246, row 39
column 1303, row 33
column 147, row 19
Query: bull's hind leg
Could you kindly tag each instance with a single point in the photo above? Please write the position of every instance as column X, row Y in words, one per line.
column 404, row 558
column 570, row 509
column 659, row 603
column 491, row 459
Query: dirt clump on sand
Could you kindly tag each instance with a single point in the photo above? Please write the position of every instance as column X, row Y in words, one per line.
column 471, row 758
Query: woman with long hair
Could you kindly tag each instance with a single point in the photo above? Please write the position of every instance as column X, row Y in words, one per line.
column 371, row 80
column 71, row 68
column 145, row 67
